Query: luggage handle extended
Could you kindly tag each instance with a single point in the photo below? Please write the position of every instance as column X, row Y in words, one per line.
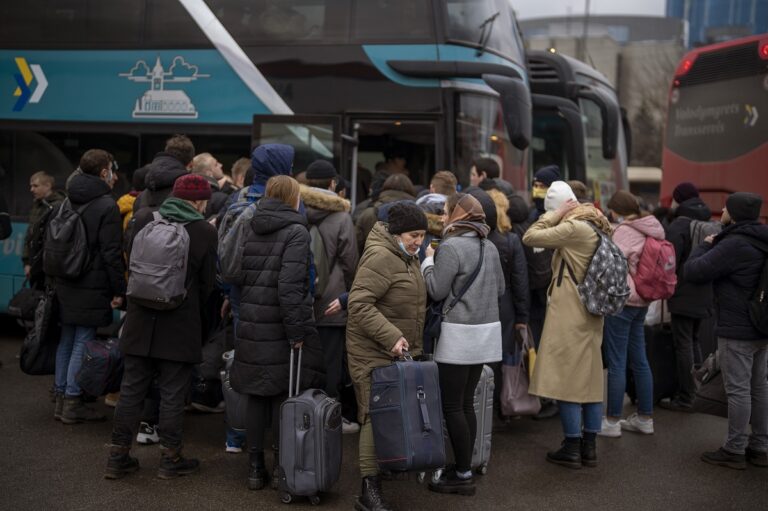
column 293, row 386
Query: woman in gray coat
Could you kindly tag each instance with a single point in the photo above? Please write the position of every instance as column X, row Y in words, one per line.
column 471, row 331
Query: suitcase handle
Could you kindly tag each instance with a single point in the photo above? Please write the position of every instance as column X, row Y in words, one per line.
column 293, row 385
column 421, row 397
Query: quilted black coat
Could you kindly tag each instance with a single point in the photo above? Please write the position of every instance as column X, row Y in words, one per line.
column 275, row 304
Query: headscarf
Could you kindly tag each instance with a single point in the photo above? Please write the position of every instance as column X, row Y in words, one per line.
column 466, row 216
column 589, row 213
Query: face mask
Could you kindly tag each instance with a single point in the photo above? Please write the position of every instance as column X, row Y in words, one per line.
column 402, row 247
column 539, row 193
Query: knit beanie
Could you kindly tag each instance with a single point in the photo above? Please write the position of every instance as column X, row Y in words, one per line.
column 321, row 169
column 406, row 217
column 191, row 187
column 685, row 191
column 624, row 203
column 744, row 206
column 547, row 175
column 558, row 194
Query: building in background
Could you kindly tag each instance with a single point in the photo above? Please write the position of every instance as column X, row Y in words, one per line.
column 714, row 21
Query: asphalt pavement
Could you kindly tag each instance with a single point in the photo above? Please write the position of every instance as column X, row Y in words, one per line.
column 47, row 465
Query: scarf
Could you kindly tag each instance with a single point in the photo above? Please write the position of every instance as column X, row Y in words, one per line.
column 467, row 216
column 178, row 210
column 589, row 213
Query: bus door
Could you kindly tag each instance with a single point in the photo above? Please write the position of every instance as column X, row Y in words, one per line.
column 380, row 142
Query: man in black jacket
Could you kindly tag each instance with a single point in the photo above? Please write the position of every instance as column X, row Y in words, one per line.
column 86, row 302
column 166, row 343
column 734, row 261
column 692, row 302
column 165, row 168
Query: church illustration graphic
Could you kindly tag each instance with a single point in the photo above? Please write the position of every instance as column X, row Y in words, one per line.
column 159, row 102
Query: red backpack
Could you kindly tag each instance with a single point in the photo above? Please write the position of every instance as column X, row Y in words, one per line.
column 656, row 277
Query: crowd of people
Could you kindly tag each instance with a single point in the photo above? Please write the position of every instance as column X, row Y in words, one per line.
column 351, row 288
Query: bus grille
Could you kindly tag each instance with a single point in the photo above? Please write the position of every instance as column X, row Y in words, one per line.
column 542, row 72
column 727, row 64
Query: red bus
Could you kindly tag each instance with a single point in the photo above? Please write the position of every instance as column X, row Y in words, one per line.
column 717, row 122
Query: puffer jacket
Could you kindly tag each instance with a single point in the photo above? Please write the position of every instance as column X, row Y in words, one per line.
column 387, row 301
column 734, row 265
column 630, row 237
column 690, row 299
column 275, row 304
column 86, row 301
column 162, row 173
column 330, row 213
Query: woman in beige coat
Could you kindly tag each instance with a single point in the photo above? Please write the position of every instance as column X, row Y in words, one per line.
column 569, row 365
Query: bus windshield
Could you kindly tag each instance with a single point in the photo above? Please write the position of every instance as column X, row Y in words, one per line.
column 485, row 23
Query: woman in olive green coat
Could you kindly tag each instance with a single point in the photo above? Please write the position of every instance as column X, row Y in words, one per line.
column 386, row 311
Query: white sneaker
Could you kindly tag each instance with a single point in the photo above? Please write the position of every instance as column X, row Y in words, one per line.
column 147, row 434
column 349, row 427
column 638, row 425
column 610, row 429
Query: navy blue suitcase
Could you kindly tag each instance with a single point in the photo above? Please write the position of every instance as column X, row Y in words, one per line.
column 407, row 416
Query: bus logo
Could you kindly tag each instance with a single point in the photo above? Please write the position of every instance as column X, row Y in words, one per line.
column 159, row 102
column 28, row 72
column 751, row 118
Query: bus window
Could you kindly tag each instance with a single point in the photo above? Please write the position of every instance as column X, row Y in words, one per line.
column 552, row 142
column 169, row 23
column 470, row 21
column 392, row 20
column 599, row 170
column 311, row 140
column 480, row 132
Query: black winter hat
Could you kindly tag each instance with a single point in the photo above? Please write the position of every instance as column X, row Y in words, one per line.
column 547, row 175
column 321, row 169
column 744, row 206
column 685, row 191
column 406, row 217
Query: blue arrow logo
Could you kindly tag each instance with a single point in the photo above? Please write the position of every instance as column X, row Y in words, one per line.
column 26, row 92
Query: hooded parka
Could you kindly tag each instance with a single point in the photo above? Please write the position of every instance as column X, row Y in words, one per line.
column 162, row 173
column 275, row 304
column 330, row 213
column 387, row 301
column 569, row 365
column 86, row 301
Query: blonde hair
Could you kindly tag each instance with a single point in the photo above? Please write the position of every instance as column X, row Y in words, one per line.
column 503, row 225
column 283, row 188
column 202, row 163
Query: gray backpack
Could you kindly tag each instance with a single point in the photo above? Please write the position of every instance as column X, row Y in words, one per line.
column 604, row 290
column 158, row 265
column 701, row 229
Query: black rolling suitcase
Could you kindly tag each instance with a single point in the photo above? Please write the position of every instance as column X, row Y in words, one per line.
column 660, row 349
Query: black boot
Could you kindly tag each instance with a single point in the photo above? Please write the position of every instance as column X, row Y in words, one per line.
column 589, row 453
column 371, row 498
column 74, row 410
column 569, row 454
column 173, row 464
column 120, row 463
column 258, row 477
column 450, row 482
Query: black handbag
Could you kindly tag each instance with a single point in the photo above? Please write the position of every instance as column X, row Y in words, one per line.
column 437, row 311
column 38, row 352
column 24, row 302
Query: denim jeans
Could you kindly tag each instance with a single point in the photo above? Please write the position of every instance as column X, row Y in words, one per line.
column 625, row 339
column 69, row 357
column 744, row 370
column 572, row 415
column 235, row 438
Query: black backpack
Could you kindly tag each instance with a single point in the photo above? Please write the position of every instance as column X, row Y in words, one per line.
column 65, row 253
column 758, row 304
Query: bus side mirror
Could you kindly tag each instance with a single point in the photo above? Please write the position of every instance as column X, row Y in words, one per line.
column 515, row 101
column 609, row 112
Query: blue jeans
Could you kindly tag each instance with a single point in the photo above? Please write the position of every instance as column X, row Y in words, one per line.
column 235, row 438
column 624, row 338
column 69, row 357
column 571, row 415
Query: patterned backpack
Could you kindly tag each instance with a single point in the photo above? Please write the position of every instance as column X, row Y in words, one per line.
column 604, row 290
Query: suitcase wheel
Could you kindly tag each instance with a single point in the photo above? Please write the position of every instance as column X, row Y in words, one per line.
column 437, row 474
column 421, row 477
column 286, row 498
column 482, row 469
column 314, row 500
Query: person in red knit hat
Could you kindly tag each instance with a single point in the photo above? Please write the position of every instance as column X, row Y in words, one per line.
column 167, row 343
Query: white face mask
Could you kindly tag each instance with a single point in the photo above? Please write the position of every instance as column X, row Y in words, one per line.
column 405, row 250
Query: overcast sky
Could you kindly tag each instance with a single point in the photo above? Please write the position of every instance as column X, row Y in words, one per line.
column 539, row 8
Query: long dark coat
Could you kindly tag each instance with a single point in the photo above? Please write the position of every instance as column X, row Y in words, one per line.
column 275, row 304
column 176, row 334
column 86, row 301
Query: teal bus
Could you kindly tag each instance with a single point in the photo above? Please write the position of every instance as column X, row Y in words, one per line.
column 443, row 81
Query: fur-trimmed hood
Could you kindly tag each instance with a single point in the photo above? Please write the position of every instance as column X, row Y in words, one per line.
column 324, row 199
